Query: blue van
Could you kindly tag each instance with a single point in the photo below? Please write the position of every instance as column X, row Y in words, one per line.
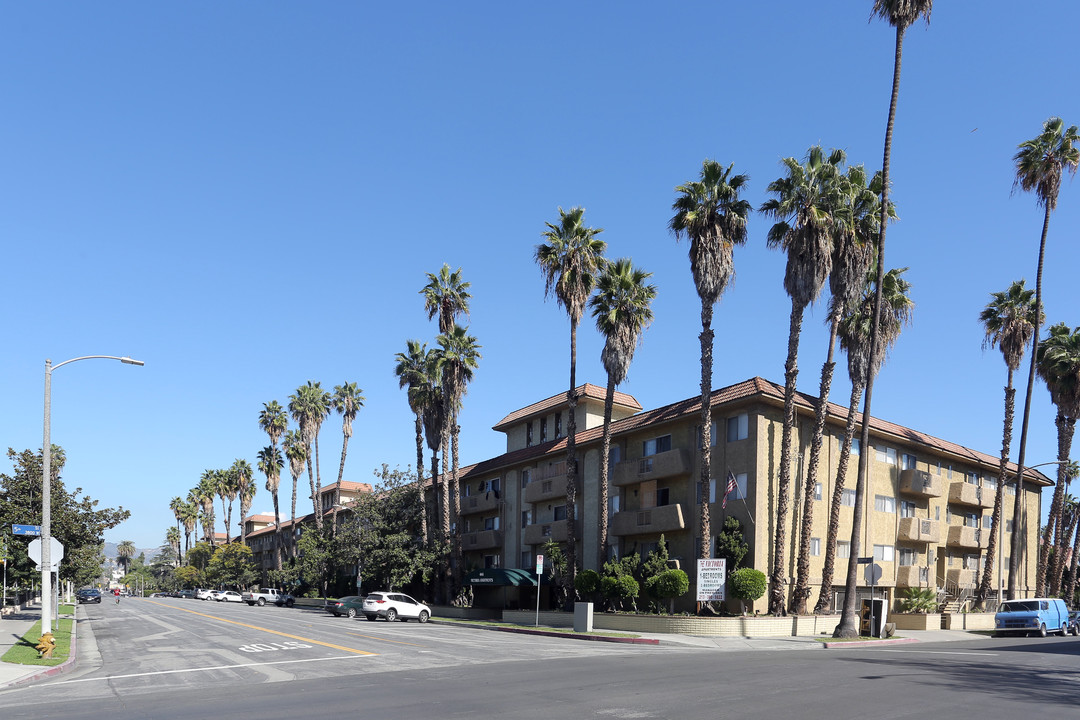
column 1033, row 615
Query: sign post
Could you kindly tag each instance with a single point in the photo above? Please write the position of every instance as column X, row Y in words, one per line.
column 539, row 579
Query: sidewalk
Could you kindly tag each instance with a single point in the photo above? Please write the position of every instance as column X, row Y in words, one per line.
column 12, row 629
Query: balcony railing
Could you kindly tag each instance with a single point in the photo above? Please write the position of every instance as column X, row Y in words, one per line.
column 540, row 490
column 971, row 538
column 540, row 533
column 474, row 504
column 920, row 483
column 919, row 530
column 552, row 470
column 665, row 518
column 965, row 493
column 960, row 578
column 482, row 540
column 912, row 576
column 654, row 467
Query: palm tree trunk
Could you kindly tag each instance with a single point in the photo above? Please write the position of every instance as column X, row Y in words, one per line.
column 447, row 519
column 824, row 601
column 277, row 534
column 456, row 495
column 802, row 584
column 1018, row 502
column 318, row 480
column 1061, row 549
column 340, row 475
column 778, row 582
column 226, row 512
column 849, row 626
column 605, row 449
column 1070, row 588
column 315, row 504
column 292, row 518
column 705, row 477
column 571, row 472
column 1046, row 576
column 999, row 496
column 420, row 476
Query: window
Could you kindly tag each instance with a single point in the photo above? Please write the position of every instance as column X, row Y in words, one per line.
column 1010, row 489
column 843, row 549
column 712, row 491
column 907, row 509
column 739, row 493
column 815, row 546
column 662, row 497
column 712, row 435
column 817, row 491
column 971, row 562
column 907, row 557
column 526, row 560
column 613, row 457
column 884, row 503
column 738, row 427
column 937, row 512
column 646, row 549
column 990, row 483
column 908, row 461
column 948, row 515
column 613, row 505
column 971, row 520
column 491, row 523
column 856, row 446
column 884, row 553
column 558, row 425
column 988, row 521
column 656, row 445
column 495, row 485
column 491, row 561
column 886, row 455
column 971, row 478
column 526, row 518
column 1008, row 526
column 525, row 477
column 528, row 434
column 543, row 429
column 948, row 472
column 560, row 512
column 848, row 498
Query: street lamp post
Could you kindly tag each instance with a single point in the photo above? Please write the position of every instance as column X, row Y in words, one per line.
column 46, row 489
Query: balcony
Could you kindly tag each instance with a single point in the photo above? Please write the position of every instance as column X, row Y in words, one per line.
column 483, row 540
column 540, row 533
column 919, row 530
column 551, row 470
column 965, row 493
column 961, row 578
column 542, row 490
column 969, row 538
column 474, row 504
column 666, row 518
column 920, row 483
column 913, row 576
column 654, row 467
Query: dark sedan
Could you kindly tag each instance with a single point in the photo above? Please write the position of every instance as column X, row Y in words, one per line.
column 88, row 595
column 350, row 606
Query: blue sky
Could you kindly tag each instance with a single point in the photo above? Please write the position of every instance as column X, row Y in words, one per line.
column 247, row 196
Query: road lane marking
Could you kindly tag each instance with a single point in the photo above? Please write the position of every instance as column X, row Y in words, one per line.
column 376, row 637
column 272, row 632
column 941, row 652
column 214, row 667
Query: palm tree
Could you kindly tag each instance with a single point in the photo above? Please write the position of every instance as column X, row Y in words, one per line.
column 409, row 369
column 446, row 296
column 124, row 552
column 176, row 505
column 1062, row 548
column 804, row 207
column 429, row 395
column 270, row 464
column 711, row 215
column 243, row 477
column 570, row 261
column 1009, row 321
column 205, row 492
column 852, row 253
column 854, row 334
column 309, row 406
column 296, row 453
column 189, row 516
column 274, row 421
column 228, row 488
column 1040, row 163
column 347, row 400
column 622, row 307
column 1070, row 586
column 1058, row 364
column 172, row 537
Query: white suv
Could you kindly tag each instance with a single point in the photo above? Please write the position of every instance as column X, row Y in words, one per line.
column 394, row 606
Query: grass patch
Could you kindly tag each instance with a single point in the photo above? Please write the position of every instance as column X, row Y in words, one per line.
column 543, row 628
column 24, row 652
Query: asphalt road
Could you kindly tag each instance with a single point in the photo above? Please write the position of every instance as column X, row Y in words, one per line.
column 182, row 659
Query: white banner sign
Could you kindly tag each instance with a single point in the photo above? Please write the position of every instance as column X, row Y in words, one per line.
column 711, row 579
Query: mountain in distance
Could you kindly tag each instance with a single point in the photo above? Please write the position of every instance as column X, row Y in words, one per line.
column 149, row 553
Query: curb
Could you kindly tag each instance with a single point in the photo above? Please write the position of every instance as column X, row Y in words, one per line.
column 862, row 643
column 556, row 633
column 55, row 669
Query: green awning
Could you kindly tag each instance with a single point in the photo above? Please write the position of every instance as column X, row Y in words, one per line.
column 500, row 576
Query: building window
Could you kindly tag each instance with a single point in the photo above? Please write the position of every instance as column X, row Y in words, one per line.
column 884, row 553
column 948, row 472
column 712, row 435
column 739, row 493
column 558, row 425
column 990, row 483
column 908, row 461
column 491, row 561
column 613, row 457
column 856, row 446
column 886, row 455
column 491, row 523
column 526, row 560
column 847, row 497
column 656, row 446
column 738, row 427
column 613, row 505
column 971, row 562
column 843, row 549
column 560, row 512
column 1010, row 489
column 907, row 557
column 526, row 518
column 988, row 521
column 712, row 491
column 817, row 491
column 543, row 429
column 937, row 512
column 971, row 478
column 907, row 509
column 528, row 434
column 948, row 515
column 815, row 546
column 884, row 503
column 971, row 520
column 525, row 477
column 663, row 497
column 1008, row 526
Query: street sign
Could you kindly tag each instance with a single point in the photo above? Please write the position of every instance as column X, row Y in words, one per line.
column 539, row 565
column 865, row 560
column 56, row 551
column 873, row 574
column 711, row 578
column 26, row 530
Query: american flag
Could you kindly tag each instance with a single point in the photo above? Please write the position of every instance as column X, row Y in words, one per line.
column 732, row 486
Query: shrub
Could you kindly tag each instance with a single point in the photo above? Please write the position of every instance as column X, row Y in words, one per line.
column 747, row 585
column 668, row 585
column 587, row 583
column 620, row 588
column 919, row 600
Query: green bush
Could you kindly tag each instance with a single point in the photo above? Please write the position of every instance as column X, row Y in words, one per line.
column 668, row 585
column 747, row 585
column 620, row 588
column 587, row 584
column 919, row 600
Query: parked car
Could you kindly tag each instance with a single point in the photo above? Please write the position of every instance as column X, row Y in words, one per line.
column 203, row 594
column 88, row 595
column 229, row 596
column 350, row 606
column 215, row 595
column 1034, row 615
column 190, row 594
column 1074, row 621
column 393, row 606
column 261, row 596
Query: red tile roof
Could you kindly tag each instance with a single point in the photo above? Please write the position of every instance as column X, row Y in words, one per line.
column 587, row 390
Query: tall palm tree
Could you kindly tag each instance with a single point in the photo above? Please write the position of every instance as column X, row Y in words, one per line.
column 347, row 400
column 570, row 261
column 124, row 552
column 1058, row 364
column 854, row 334
column 409, row 369
column 228, row 487
column 854, row 230
column 274, row 421
column 446, row 296
column 270, row 464
column 1009, row 321
column 296, row 453
column 205, row 492
column 172, row 537
column 1070, row 586
column 1040, row 164
column 806, row 202
column 429, row 395
column 189, row 516
column 1063, row 548
column 309, row 407
column 622, row 307
column 176, row 505
column 243, row 477
column 710, row 213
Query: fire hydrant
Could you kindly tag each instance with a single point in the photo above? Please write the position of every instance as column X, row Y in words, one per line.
column 46, row 645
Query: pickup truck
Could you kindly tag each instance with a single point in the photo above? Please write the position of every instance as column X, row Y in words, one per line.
column 261, row 596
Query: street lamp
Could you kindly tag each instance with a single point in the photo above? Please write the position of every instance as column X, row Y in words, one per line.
column 1016, row 525
column 46, row 488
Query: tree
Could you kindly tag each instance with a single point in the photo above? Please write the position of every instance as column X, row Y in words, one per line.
column 570, row 262
column 200, row 555
column 1040, row 164
column 622, row 307
column 347, row 401
column 204, row 493
column 1009, row 324
column 446, row 296
column 731, row 543
column 124, row 552
column 189, row 517
column 274, row 421
column 747, row 585
column 409, row 367
column 1058, row 364
column 854, row 334
column 807, row 200
column 243, row 479
column 313, row 558
column 188, row 576
column 270, row 464
column 296, row 453
column 232, row 566
column 227, row 489
column 309, row 407
column 172, row 537
column 711, row 215
column 177, row 506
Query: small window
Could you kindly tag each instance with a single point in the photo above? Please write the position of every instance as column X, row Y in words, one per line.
column 907, row 557
column 525, row 477
column 884, row 503
column 907, row 509
column 848, row 498
column 856, row 446
column 817, row 491
column 971, row 520
column 815, row 546
column 491, row 561
column 886, row 455
column 937, row 512
column 491, row 523
column 1010, row 489
column 712, row 435
column 884, row 553
column 558, row 425
column 656, row 446
column 908, row 461
column 990, row 483
column 712, row 491
column 613, row 505
column 528, row 434
column 971, row 562
column 613, row 457
column 738, row 427
column 843, row 549
column 560, row 512
column 495, row 485
column 526, row 518
column 663, row 496
column 971, row 478
column 1008, row 526
column 739, row 493
column 543, row 429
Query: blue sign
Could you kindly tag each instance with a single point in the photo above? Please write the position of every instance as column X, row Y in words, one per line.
column 26, row 530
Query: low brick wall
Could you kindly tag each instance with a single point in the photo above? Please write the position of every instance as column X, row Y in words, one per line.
column 969, row 621
column 915, row 621
column 448, row 611
column 761, row 626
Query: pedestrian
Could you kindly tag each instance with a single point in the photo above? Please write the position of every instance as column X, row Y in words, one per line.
column 116, row 594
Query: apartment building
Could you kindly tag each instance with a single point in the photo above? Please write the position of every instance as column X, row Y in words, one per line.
column 927, row 510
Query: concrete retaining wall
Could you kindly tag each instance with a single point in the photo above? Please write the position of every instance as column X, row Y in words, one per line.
column 969, row 621
column 766, row 626
column 916, row 621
